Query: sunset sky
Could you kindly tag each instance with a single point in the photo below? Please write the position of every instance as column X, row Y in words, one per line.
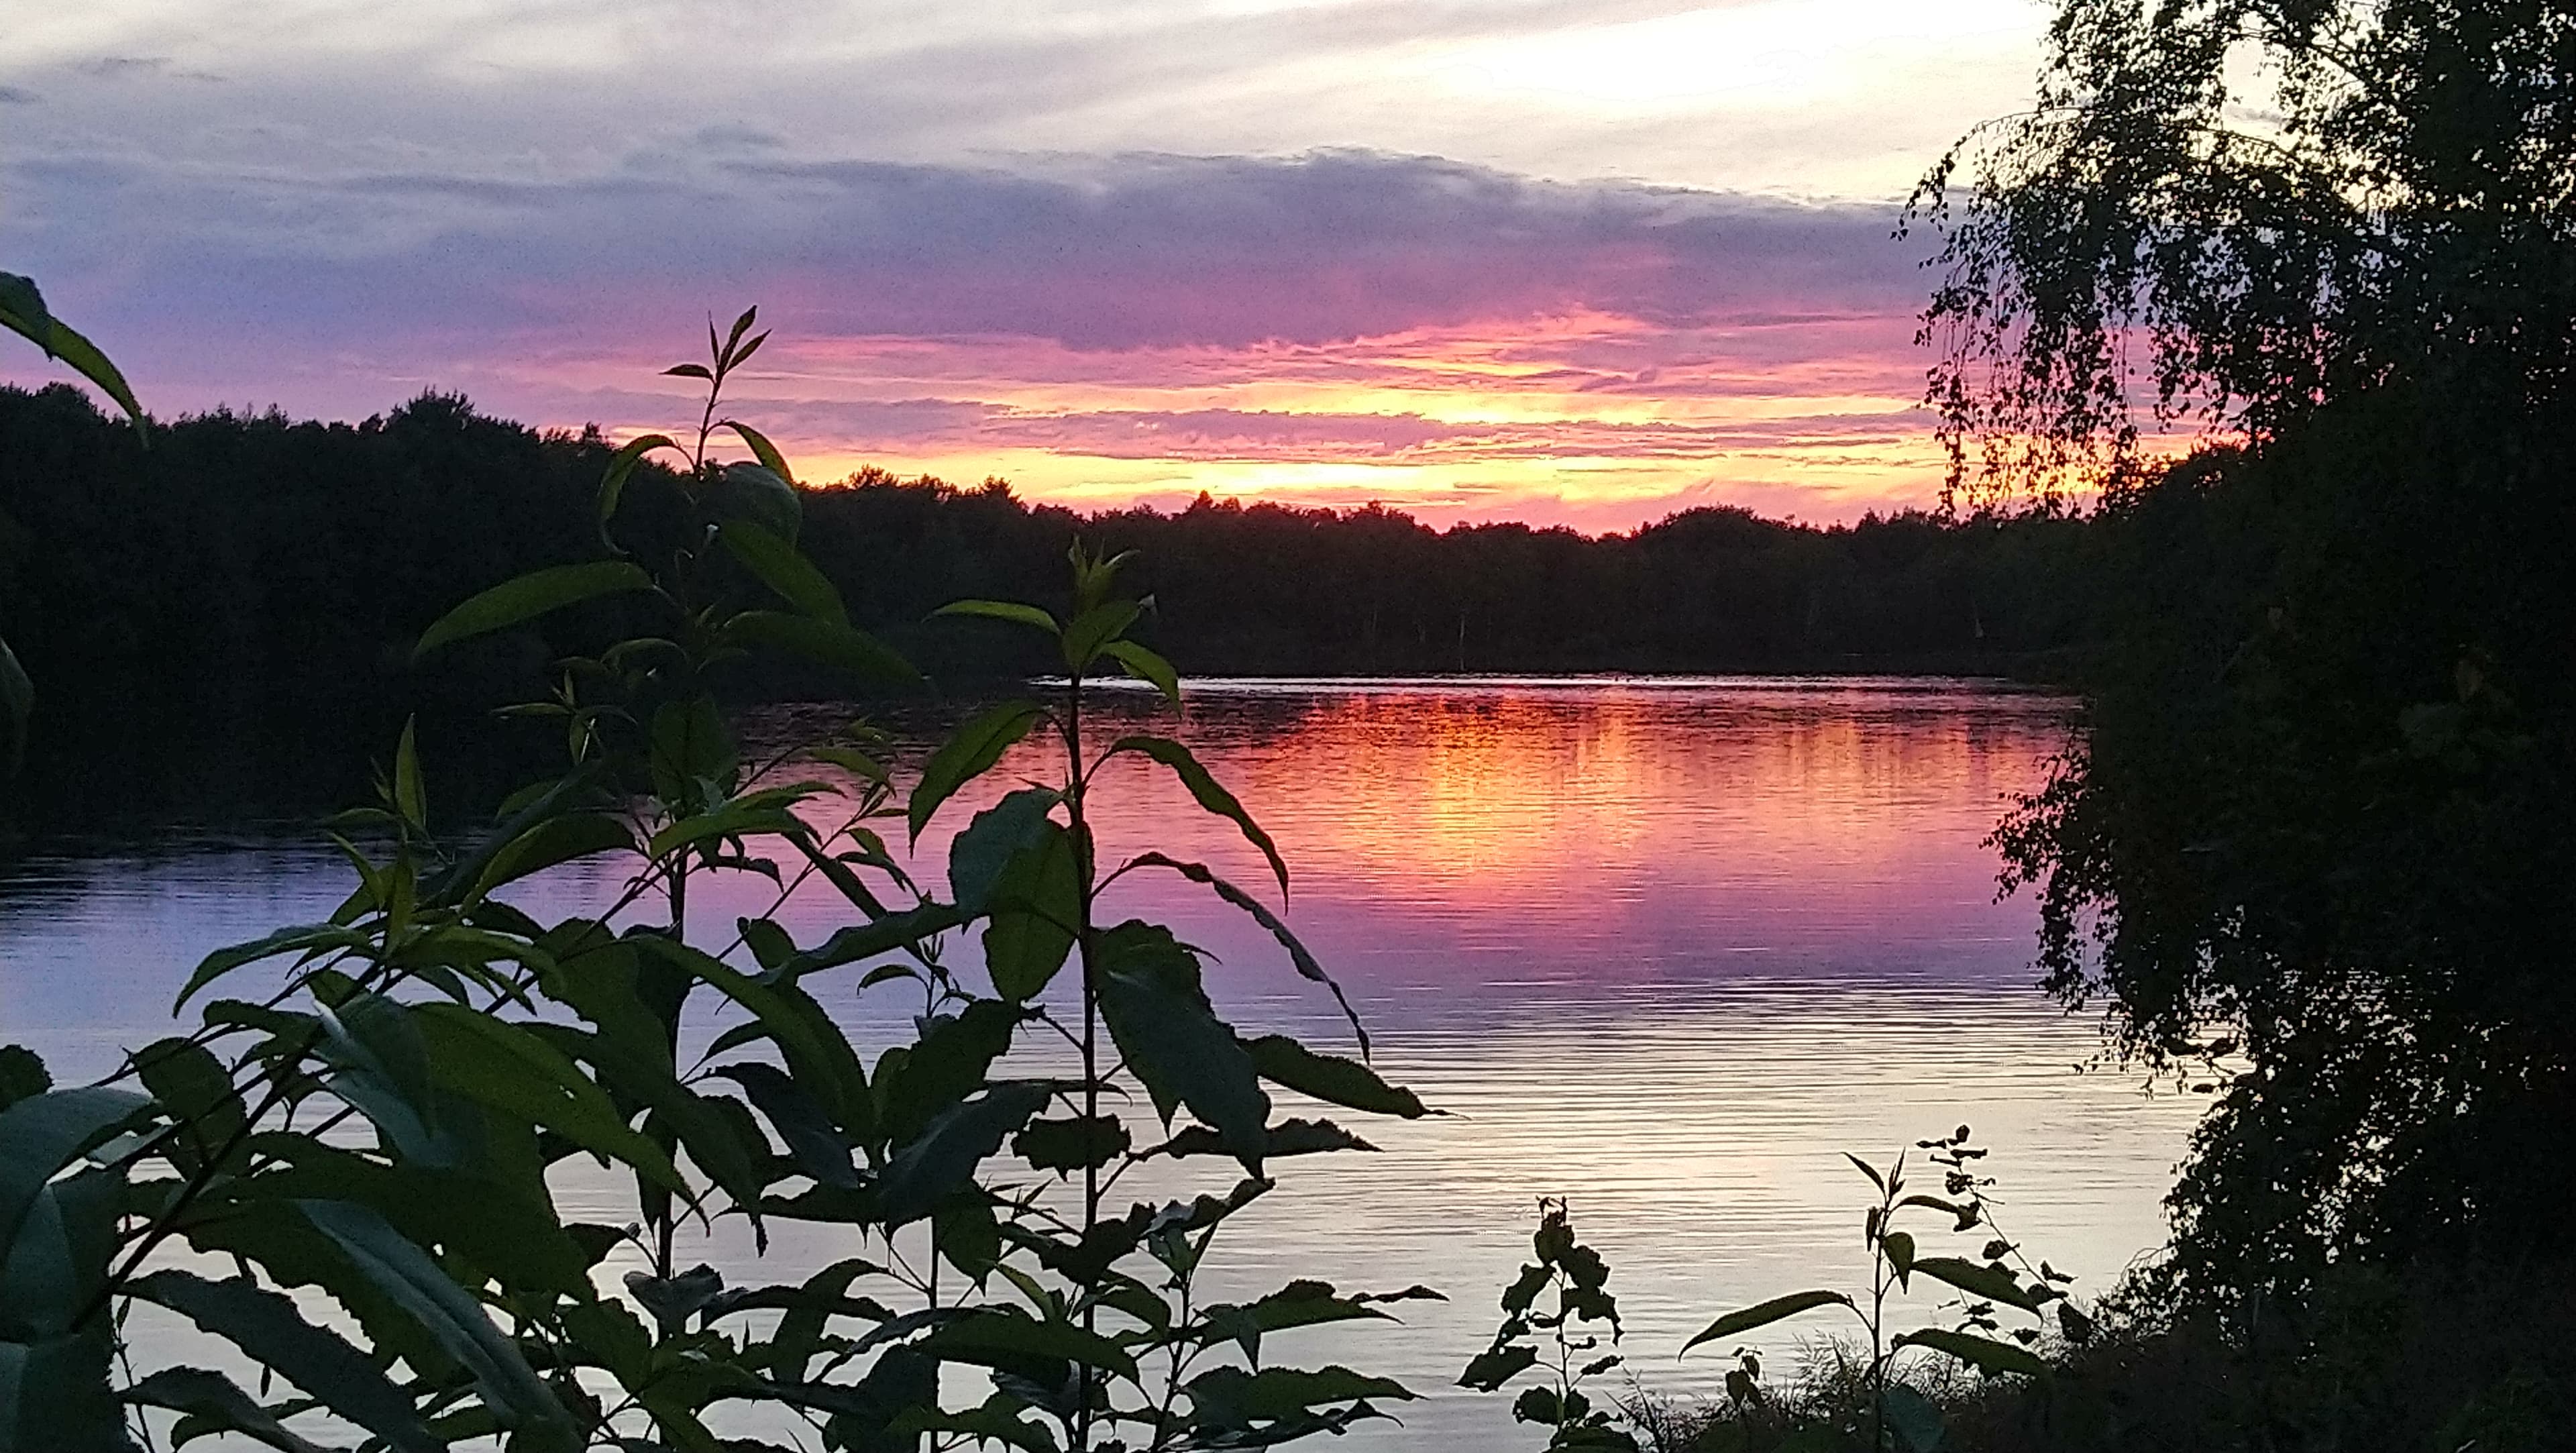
column 1581, row 263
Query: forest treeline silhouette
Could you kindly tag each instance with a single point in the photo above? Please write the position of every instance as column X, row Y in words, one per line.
column 245, row 551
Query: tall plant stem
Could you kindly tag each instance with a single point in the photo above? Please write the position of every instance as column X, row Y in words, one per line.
column 1083, row 874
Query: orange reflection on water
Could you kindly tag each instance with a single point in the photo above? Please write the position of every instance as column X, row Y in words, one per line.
column 1565, row 802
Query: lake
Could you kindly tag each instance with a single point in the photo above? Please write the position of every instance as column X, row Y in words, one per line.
column 1665, row 947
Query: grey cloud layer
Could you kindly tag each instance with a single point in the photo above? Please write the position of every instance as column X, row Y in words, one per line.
column 1094, row 254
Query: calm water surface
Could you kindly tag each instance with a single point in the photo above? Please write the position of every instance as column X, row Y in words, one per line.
column 1663, row 947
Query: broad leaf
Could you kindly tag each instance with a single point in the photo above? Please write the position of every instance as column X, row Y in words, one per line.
column 784, row 569
column 967, row 755
column 515, row 602
column 998, row 1339
column 1159, row 1015
column 17, row 704
column 1232, row 1397
column 42, row 1134
column 836, row 644
column 1994, row 1284
column 1002, row 610
column 511, row 1070
column 761, row 449
column 612, row 481
column 1331, row 1078
column 268, row 1327
column 1209, row 792
column 213, row 1402
column 1982, row 1353
column 1034, row 910
column 977, row 855
column 1144, row 665
column 1765, row 1313
column 408, row 1278
column 942, row 1159
column 813, row 1141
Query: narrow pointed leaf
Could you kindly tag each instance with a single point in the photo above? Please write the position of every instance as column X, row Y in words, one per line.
column 515, row 602
column 1002, row 610
column 1145, row 665
column 621, row 465
column 408, row 1278
column 1331, row 1078
column 1765, row 1313
column 967, row 755
column 1982, row 1353
column 784, row 569
column 1209, row 792
column 268, row 1326
column 835, row 644
column 43, row 1133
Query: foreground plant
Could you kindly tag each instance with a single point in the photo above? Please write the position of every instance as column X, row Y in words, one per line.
column 366, row 1155
column 1551, row 1342
column 1990, row 1288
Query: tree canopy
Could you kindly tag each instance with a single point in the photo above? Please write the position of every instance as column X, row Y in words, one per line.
column 2320, row 821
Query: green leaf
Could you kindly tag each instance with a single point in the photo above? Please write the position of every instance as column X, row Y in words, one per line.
column 818, row 1053
column 2077, row 1327
column 553, row 842
column 1288, row 1137
column 1865, row 1168
column 1331, row 1078
column 1210, row 793
column 191, row 1085
column 1172, row 1040
column 17, row 704
column 55, row 1397
column 514, row 602
column 835, row 644
column 1981, row 1353
column 999, row 1339
column 866, row 940
column 1230, row 1397
column 753, row 494
column 503, row 1066
column 23, row 311
column 977, row 856
column 784, row 569
column 1002, row 610
column 1915, row 1418
column 1086, row 633
column 1034, row 910
column 966, row 755
column 268, row 1326
column 1304, row 961
column 1144, row 665
column 813, row 1142
column 411, row 798
column 1987, row 1282
column 942, row 1159
column 612, row 481
column 407, row 1277
column 1765, row 1313
column 22, row 1074
column 1899, row 1247
column 302, row 938
column 758, row 443
column 43, row 1133
column 1073, row 1143
column 22, row 308
column 948, row 1063
column 1497, row 1365
column 212, row 1401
